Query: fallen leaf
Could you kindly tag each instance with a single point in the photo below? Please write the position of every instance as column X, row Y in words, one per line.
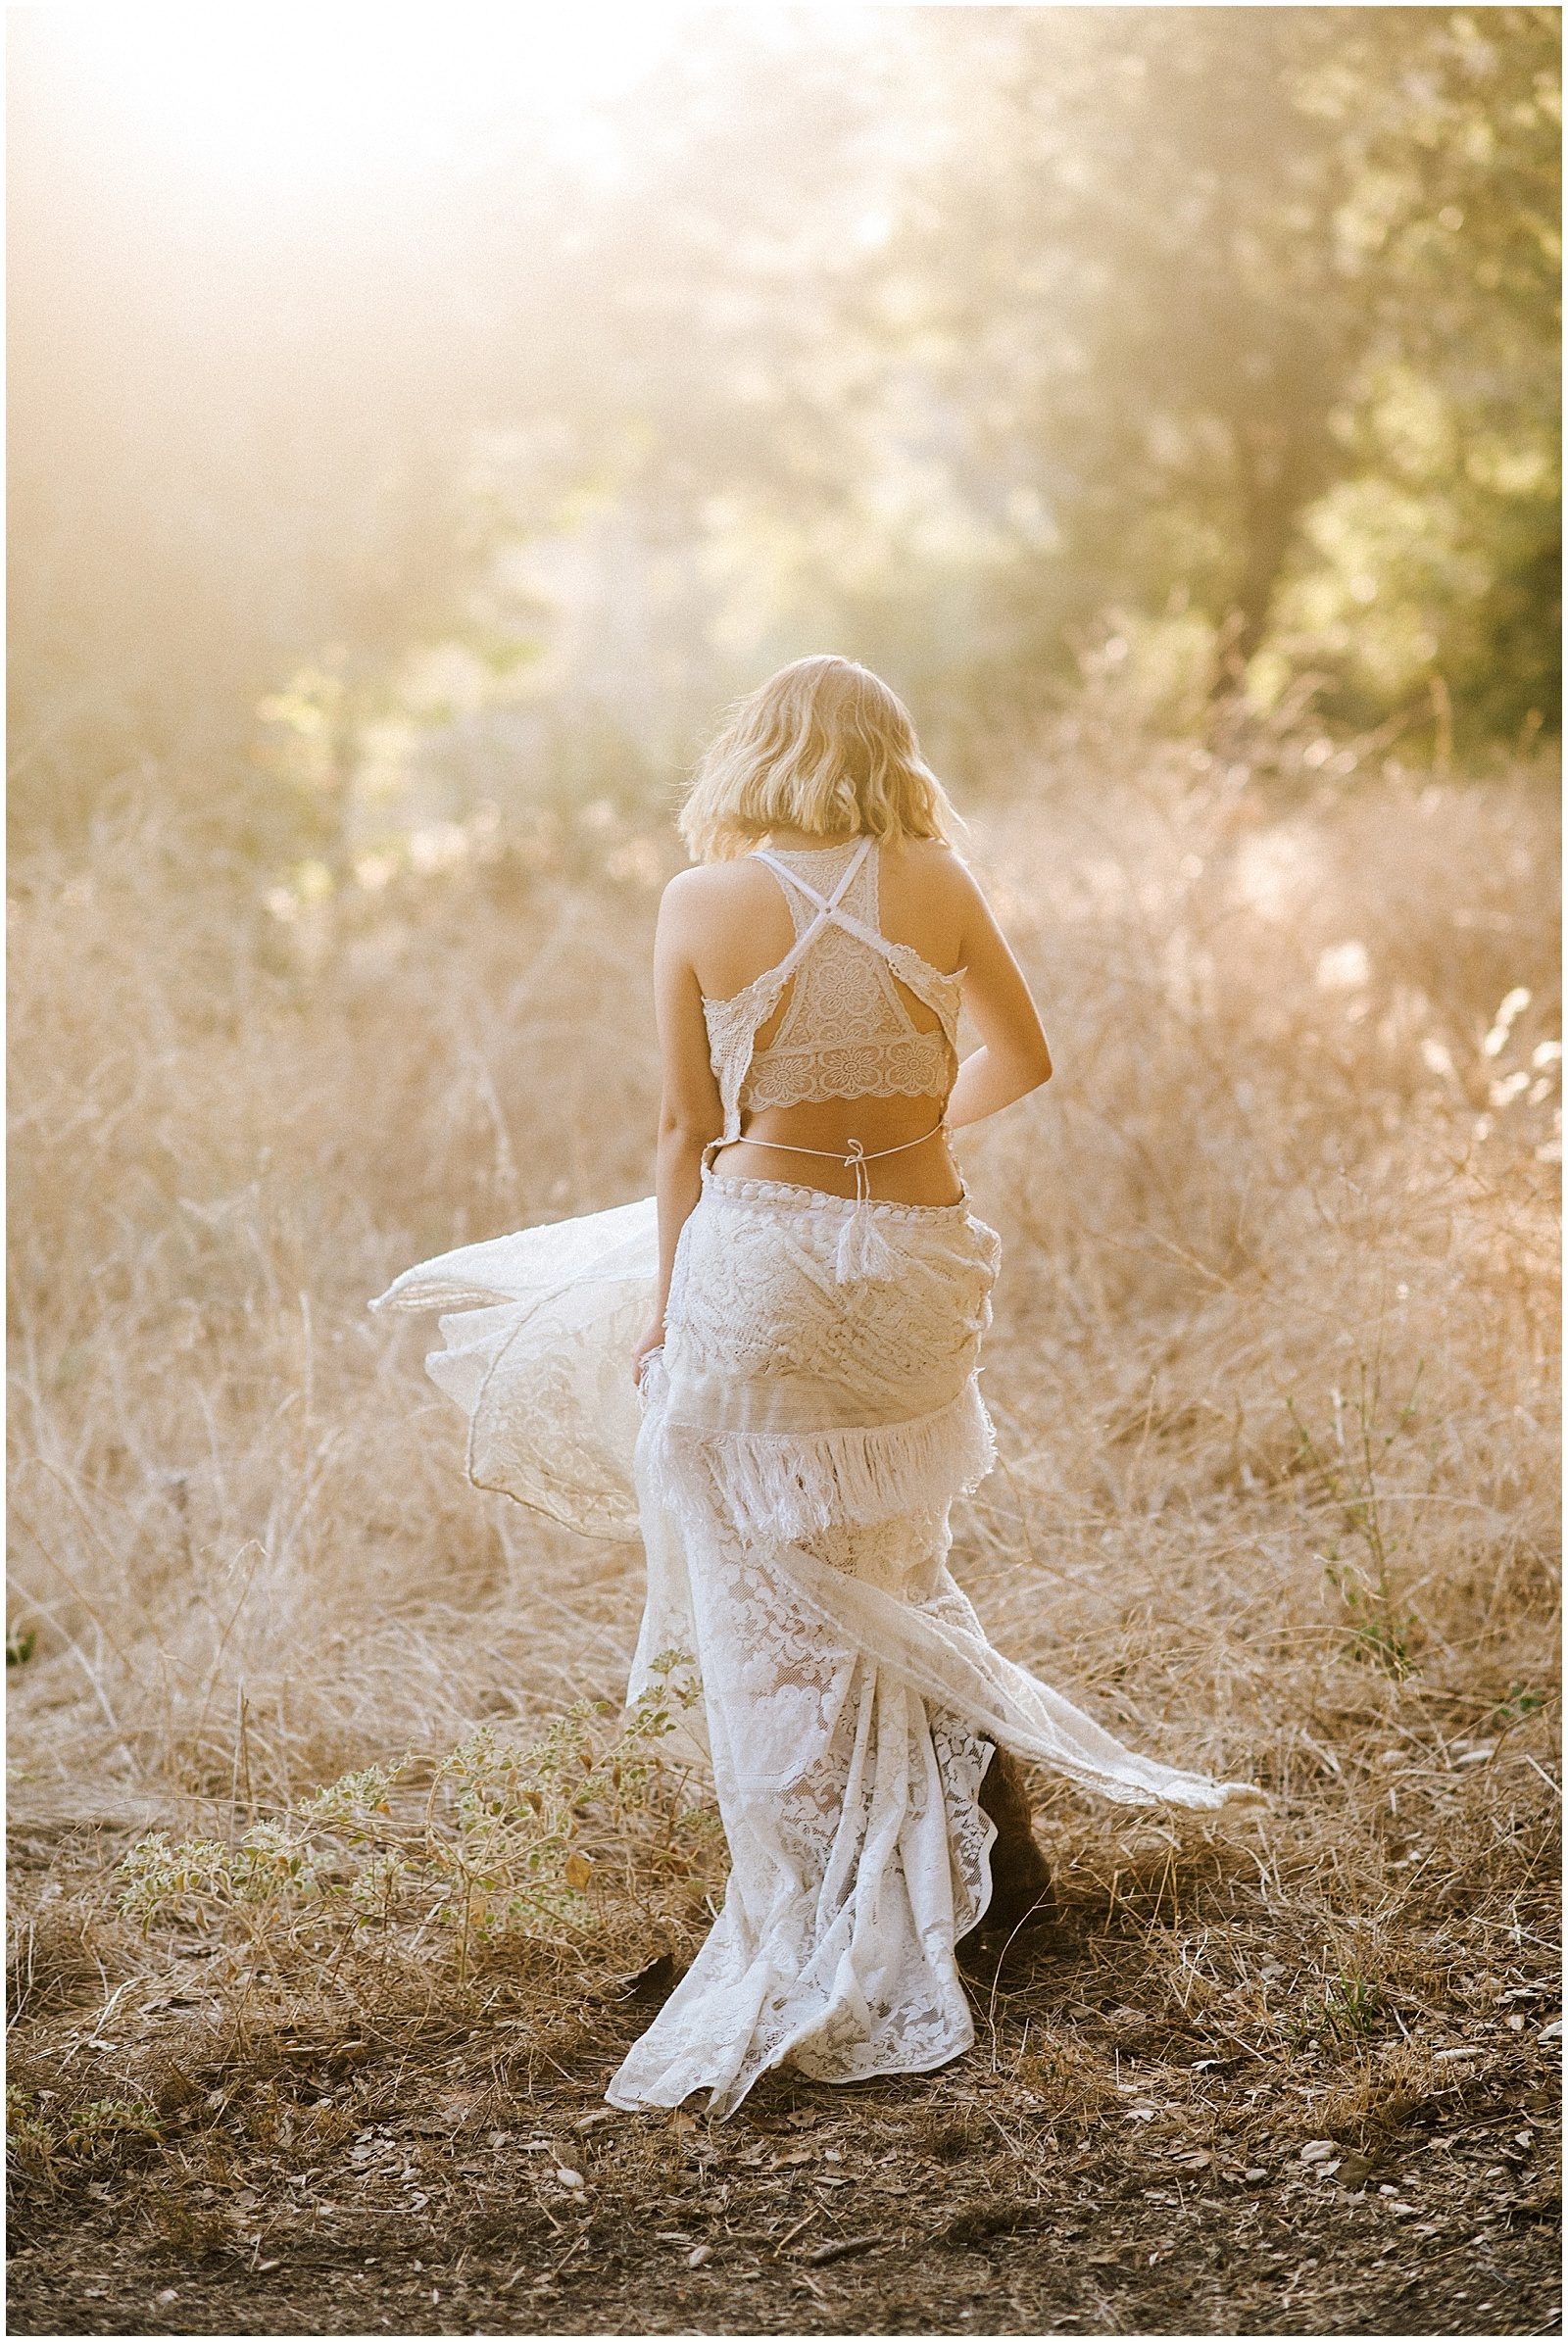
column 698, row 2255
column 578, row 1870
column 1318, row 2150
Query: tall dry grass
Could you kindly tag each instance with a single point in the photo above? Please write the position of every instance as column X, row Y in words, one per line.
column 1273, row 1363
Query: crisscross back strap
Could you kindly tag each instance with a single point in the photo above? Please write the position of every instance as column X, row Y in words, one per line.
column 826, row 903
column 831, row 913
column 830, row 910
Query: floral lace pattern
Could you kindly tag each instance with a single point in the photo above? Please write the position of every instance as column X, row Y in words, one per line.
column 753, row 1308
column 849, row 1690
column 845, row 1032
column 859, row 1851
column 538, row 1327
column 790, row 1462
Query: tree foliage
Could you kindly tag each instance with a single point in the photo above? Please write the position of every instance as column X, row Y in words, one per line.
column 958, row 337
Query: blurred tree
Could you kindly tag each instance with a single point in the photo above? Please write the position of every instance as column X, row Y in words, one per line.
column 1452, row 419
column 945, row 335
column 1172, row 260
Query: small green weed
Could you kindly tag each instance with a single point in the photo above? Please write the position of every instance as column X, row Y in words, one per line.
column 1349, row 2008
column 517, row 1836
column 1376, row 1630
column 91, row 2134
column 1343, row 1466
column 1519, row 1704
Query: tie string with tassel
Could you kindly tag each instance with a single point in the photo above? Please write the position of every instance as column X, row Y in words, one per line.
column 863, row 1251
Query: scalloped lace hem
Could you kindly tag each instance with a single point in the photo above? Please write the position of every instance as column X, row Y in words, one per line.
column 730, row 1186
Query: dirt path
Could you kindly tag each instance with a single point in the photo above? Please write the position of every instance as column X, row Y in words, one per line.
column 1112, row 2267
column 1099, row 2164
column 982, row 2232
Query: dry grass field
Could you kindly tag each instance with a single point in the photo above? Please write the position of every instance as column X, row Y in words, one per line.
column 1274, row 1376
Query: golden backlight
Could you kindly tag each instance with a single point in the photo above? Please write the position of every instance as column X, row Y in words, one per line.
column 425, row 422
column 276, row 97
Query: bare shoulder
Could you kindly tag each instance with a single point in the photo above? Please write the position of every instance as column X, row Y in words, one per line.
column 933, row 871
column 707, row 880
column 706, row 883
column 926, row 898
column 933, row 855
column 725, row 922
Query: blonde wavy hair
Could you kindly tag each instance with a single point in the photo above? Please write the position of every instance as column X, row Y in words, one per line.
column 823, row 746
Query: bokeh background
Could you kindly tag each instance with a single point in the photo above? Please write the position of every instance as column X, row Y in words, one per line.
column 452, row 412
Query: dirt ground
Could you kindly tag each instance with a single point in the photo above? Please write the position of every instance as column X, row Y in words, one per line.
column 397, row 2159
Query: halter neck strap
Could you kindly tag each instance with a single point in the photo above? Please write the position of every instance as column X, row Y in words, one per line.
column 824, row 902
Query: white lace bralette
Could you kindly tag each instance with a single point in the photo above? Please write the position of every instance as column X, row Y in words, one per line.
column 845, row 1032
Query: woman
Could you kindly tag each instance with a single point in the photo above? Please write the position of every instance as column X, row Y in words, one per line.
column 809, row 1398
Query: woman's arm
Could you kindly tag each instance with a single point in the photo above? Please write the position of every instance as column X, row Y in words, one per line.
column 690, row 1112
column 1013, row 1058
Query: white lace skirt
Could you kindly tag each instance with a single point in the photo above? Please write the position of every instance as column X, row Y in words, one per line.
column 802, row 1441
